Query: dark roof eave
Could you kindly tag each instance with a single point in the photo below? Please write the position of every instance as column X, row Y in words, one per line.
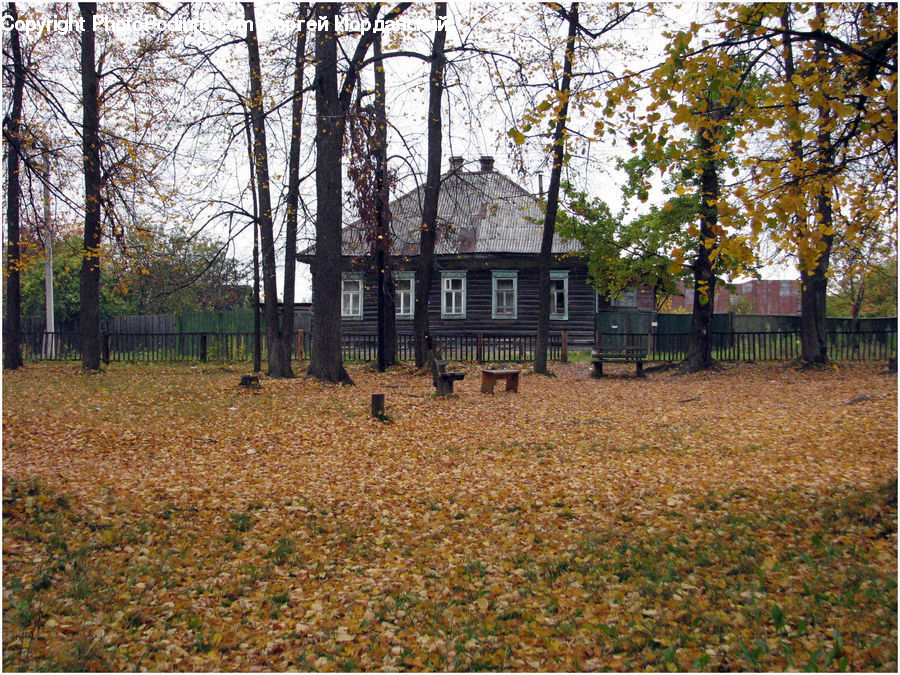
column 469, row 257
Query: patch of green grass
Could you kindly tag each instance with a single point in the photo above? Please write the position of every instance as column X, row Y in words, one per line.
column 243, row 521
column 431, row 505
column 82, row 576
column 406, row 600
column 43, row 582
column 283, row 550
column 85, row 654
column 556, row 568
column 20, row 602
column 475, row 568
column 202, row 642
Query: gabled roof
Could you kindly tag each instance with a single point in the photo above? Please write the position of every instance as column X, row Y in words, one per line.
column 479, row 212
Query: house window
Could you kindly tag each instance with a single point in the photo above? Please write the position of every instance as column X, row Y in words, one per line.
column 404, row 294
column 453, row 295
column 628, row 299
column 559, row 295
column 504, row 290
column 352, row 296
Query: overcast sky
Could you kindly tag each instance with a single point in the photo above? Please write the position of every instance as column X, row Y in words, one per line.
column 475, row 124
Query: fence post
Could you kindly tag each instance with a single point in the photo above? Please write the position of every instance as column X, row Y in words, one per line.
column 106, row 348
column 202, row 347
column 479, row 348
column 300, row 344
column 565, row 346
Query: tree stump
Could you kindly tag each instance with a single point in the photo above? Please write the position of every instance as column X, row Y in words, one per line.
column 378, row 406
column 250, row 381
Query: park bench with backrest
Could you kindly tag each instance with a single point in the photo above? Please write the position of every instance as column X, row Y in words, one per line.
column 636, row 355
column 443, row 381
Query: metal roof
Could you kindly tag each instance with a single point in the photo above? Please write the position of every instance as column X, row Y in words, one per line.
column 478, row 212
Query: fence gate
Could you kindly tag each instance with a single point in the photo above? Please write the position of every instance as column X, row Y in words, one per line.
column 618, row 329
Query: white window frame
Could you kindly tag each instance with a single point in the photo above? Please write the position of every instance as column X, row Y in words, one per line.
column 454, row 312
column 411, row 277
column 497, row 275
column 557, row 275
column 347, row 312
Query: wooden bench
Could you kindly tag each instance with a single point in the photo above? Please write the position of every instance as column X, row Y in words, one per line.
column 635, row 355
column 489, row 379
column 443, row 381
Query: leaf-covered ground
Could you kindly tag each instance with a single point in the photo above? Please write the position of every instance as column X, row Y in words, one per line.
column 163, row 518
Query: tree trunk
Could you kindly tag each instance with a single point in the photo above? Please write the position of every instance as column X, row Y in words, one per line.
column 813, row 275
column 857, row 295
column 699, row 355
column 257, row 327
column 325, row 362
column 813, row 291
column 90, row 264
column 281, row 367
column 12, row 327
column 559, row 148
column 813, row 337
column 425, row 267
column 261, row 165
column 332, row 105
column 257, row 336
column 379, row 301
column 390, row 316
column 387, row 331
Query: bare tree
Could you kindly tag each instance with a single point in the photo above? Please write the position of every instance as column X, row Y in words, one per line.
column 12, row 327
column 538, row 108
column 368, row 171
column 285, row 329
column 558, row 153
column 387, row 332
column 113, row 156
column 425, row 266
column 279, row 325
column 90, row 265
column 333, row 101
column 263, row 193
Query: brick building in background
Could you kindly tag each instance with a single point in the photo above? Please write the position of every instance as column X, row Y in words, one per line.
column 757, row 296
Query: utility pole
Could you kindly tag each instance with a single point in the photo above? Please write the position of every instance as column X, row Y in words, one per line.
column 49, row 346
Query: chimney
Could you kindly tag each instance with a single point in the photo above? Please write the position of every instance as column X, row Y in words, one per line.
column 487, row 163
column 456, row 163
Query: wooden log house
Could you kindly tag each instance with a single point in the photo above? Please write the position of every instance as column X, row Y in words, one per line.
column 488, row 244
